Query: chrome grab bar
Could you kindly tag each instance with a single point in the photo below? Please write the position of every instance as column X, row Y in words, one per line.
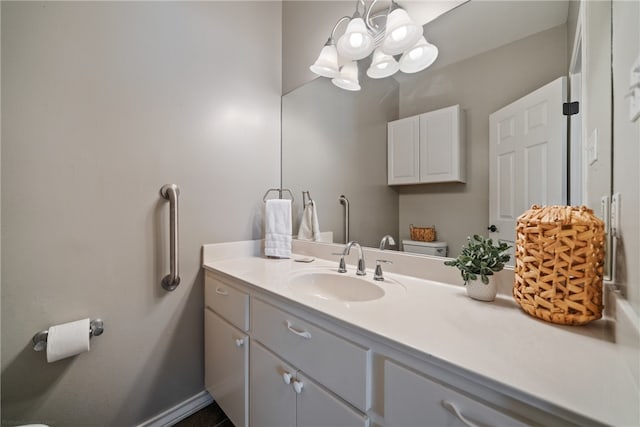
column 345, row 202
column 171, row 192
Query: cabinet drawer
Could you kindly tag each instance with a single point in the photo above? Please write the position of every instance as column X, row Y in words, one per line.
column 338, row 364
column 226, row 300
column 411, row 399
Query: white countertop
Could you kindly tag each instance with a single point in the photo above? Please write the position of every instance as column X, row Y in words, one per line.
column 577, row 368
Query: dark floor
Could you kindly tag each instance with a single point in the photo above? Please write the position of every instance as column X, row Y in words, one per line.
column 209, row 416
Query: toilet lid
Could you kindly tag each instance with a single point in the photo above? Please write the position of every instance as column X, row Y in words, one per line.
column 434, row 244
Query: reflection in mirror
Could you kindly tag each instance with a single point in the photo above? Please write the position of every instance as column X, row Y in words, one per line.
column 626, row 136
column 335, row 142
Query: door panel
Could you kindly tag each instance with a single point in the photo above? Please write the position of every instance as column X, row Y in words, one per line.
column 273, row 401
column 403, row 151
column 319, row 408
column 225, row 368
column 527, row 157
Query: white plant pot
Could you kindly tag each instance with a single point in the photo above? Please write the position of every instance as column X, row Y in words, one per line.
column 478, row 290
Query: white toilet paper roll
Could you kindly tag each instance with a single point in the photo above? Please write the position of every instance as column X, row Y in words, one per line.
column 67, row 339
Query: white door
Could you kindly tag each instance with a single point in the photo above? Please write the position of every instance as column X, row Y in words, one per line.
column 403, row 151
column 527, row 157
column 440, row 146
column 317, row 407
column 226, row 367
column 273, row 400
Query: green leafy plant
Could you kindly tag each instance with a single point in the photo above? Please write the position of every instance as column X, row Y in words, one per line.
column 480, row 257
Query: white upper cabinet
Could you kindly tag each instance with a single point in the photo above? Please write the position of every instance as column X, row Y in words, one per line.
column 427, row 148
column 404, row 151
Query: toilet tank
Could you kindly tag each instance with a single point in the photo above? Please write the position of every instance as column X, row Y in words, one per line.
column 426, row 248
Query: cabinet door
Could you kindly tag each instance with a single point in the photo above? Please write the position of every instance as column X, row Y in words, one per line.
column 317, row 407
column 273, row 400
column 441, row 148
column 412, row 400
column 226, row 367
column 403, row 155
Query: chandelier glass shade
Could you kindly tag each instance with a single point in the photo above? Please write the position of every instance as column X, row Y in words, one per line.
column 418, row 57
column 356, row 42
column 398, row 36
column 382, row 65
column 348, row 78
column 401, row 33
column 327, row 63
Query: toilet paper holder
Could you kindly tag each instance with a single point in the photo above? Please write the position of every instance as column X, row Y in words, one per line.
column 96, row 328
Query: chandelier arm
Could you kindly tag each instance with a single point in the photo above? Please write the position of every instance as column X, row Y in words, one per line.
column 335, row 27
column 364, row 8
column 392, row 5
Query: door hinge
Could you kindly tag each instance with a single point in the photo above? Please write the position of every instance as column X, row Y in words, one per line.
column 570, row 108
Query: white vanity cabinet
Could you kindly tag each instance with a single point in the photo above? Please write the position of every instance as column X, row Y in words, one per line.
column 274, row 362
column 226, row 368
column 340, row 365
column 427, row 148
column 283, row 396
column 412, row 399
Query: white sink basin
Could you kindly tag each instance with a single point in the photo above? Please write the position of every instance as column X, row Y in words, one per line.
column 336, row 287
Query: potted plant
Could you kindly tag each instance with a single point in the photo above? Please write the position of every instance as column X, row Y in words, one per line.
column 477, row 262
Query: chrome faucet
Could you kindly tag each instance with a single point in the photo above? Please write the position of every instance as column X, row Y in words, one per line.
column 378, row 273
column 386, row 239
column 361, row 267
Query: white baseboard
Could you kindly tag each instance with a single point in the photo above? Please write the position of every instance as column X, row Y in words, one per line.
column 179, row 412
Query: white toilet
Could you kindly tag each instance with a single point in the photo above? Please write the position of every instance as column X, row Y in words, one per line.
column 425, row 248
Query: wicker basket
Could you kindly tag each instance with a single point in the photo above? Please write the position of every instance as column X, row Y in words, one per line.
column 559, row 264
column 423, row 234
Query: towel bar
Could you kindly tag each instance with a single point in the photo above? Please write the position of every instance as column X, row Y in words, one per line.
column 279, row 190
column 96, row 327
column 306, row 195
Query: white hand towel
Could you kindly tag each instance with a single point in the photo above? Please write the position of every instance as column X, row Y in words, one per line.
column 277, row 228
column 309, row 227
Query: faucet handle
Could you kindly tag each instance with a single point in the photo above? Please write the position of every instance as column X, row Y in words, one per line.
column 378, row 273
column 341, row 265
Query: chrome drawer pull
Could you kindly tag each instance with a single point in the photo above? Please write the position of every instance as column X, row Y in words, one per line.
column 221, row 291
column 239, row 342
column 303, row 334
column 452, row 408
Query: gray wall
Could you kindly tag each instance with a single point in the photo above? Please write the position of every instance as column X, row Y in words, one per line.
column 481, row 85
column 102, row 104
column 335, row 142
column 626, row 140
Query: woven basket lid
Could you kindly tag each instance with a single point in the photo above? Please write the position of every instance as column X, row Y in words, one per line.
column 561, row 215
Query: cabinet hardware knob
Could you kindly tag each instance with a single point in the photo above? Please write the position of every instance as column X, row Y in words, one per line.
column 492, row 228
column 304, row 334
column 286, row 377
column 239, row 342
column 453, row 409
column 297, row 386
column 221, row 291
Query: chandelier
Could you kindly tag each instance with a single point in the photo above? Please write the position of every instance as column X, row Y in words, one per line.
column 388, row 34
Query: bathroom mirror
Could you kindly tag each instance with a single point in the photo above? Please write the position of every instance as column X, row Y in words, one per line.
column 334, row 142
